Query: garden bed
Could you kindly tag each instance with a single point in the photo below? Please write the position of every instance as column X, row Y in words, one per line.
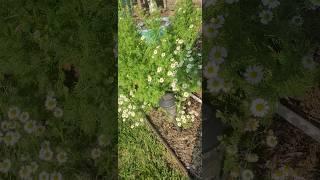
column 185, row 144
column 308, row 106
column 295, row 150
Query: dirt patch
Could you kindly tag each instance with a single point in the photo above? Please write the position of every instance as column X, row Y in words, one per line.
column 187, row 143
column 307, row 106
column 310, row 104
column 295, row 150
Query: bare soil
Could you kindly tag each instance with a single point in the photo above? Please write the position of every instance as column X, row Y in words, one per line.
column 187, row 143
column 310, row 104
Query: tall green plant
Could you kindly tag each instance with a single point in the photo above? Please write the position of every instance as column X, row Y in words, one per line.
column 147, row 70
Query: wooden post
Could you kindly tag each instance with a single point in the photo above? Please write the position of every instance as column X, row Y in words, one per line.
column 165, row 4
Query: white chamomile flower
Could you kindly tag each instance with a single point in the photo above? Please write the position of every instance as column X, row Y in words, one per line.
column 184, row 86
column 161, row 80
column 170, row 73
column 24, row 116
column 56, row 176
column 62, row 157
column 5, row 166
column 209, row 31
column 30, row 126
column 155, row 52
column 231, row 1
column 46, row 154
column 252, row 125
column 179, row 124
column 163, row 54
column 271, row 3
column 57, row 112
column 272, row 140
column 297, row 20
column 308, row 62
column 174, row 65
column 254, row 74
column 13, row 112
column 5, row 125
column 12, row 125
column 44, row 176
column 189, row 66
column 149, row 78
column 103, row 140
column 96, row 153
column 215, row 84
column 186, row 94
column 191, row 26
column 159, row 69
column 247, row 174
column 181, row 41
column 259, row 107
column 11, row 138
column 218, row 54
column 252, row 157
column 218, row 21
column 25, row 172
column 265, row 16
column 211, row 70
column 50, row 103
column 232, row 149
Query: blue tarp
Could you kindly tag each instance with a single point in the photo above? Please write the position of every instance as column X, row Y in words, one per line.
column 151, row 36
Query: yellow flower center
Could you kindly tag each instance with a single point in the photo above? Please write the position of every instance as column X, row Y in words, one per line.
column 253, row 74
column 217, row 54
column 211, row 69
column 260, row 107
column 211, row 30
column 215, row 83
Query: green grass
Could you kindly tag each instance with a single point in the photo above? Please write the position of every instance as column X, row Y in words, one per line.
column 141, row 156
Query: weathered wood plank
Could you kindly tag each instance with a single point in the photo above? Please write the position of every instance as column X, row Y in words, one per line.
column 298, row 121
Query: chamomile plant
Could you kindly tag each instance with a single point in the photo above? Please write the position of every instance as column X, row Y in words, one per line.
column 259, row 52
column 148, row 69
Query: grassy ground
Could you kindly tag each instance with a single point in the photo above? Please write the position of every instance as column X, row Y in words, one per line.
column 141, row 156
